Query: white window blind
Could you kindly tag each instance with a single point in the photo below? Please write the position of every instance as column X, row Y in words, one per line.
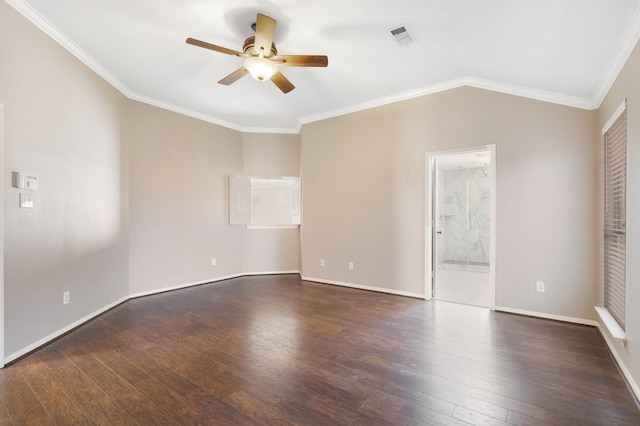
column 615, row 223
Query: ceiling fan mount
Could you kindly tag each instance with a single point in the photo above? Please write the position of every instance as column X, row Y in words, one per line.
column 261, row 57
column 249, row 48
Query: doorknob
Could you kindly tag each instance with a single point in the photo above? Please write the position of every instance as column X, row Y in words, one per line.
column 439, row 232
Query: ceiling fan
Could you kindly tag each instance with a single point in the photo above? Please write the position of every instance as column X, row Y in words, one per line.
column 261, row 58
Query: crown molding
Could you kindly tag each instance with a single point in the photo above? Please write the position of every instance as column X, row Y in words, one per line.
column 620, row 57
column 624, row 49
column 440, row 87
column 469, row 81
column 203, row 117
column 48, row 28
column 209, row 118
column 526, row 92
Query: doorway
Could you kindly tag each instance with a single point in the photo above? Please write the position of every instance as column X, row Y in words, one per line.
column 460, row 231
column 2, row 235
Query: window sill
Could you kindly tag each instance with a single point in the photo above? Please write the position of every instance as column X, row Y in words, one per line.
column 612, row 325
column 272, row 226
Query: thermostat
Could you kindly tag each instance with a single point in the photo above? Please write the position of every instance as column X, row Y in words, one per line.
column 26, row 181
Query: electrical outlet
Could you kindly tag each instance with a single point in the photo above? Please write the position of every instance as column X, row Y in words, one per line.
column 214, row 261
column 540, row 286
column 322, row 262
column 66, row 297
column 351, row 266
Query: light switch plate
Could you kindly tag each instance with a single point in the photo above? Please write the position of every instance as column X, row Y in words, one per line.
column 26, row 201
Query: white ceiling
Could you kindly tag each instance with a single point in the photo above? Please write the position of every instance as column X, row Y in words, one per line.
column 564, row 51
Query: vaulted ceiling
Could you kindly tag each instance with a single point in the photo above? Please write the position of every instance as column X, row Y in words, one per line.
column 563, row 51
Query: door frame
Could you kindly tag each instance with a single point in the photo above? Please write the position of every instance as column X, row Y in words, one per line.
column 2, row 157
column 429, row 217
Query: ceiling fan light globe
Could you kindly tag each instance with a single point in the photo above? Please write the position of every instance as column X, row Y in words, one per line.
column 260, row 68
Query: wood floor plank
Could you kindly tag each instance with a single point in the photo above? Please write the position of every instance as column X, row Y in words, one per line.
column 21, row 402
column 5, row 417
column 476, row 418
column 134, row 402
column 53, row 395
column 102, row 409
column 280, row 350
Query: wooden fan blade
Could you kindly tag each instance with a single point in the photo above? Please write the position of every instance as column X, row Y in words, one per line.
column 301, row 60
column 234, row 76
column 265, row 30
column 214, row 47
column 282, row 82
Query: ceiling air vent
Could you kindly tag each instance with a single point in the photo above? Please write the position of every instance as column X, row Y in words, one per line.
column 402, row 35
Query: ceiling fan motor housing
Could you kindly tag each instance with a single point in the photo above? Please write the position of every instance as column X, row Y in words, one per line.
column 250, row 49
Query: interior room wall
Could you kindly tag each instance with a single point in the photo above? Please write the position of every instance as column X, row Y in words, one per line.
column 133, row 199
column 364, row 195
column 271, row 250
column 627, row 86
column 178, row 200
column 62, row 124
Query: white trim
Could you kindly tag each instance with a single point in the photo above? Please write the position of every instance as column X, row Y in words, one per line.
column 429, row 220
column 365, row 287
column 494, row 86
column 62, row 331
column 272, row 227
column 208, row 281
column 185, row 285
column 2, row 236
column 206, row 117
column 493, row 232
column 544, row 315
column 526, row 92
column 429, row 167
column 100, row 311
column 436, row 88
column 250, row 274
column 578, row 102
column 48, row 28
column 620, row 57
column 611, row 324
column 616, row 114
column 623, row 368
column 181, row 110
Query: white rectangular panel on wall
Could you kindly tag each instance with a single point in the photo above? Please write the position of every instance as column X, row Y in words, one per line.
column 275, row 201
column 239, row 200
column 297, row 203
column 264, row 201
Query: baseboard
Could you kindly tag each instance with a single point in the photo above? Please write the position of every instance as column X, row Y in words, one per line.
column 635, row 389
column 623, row 368
column 544, row 315
column 55, row 335
column 247, row 274
column 364, row 287
column 179, row 286
column 625, row 371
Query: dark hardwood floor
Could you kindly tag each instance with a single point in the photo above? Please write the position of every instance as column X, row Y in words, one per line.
column 278, row 350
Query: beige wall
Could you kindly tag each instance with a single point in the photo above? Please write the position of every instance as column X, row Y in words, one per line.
column 627, row 86
column 364, row 194
column 178, row 194
column 179, row 168
column 271, row 250
column 132, row 199
column 63, row 124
